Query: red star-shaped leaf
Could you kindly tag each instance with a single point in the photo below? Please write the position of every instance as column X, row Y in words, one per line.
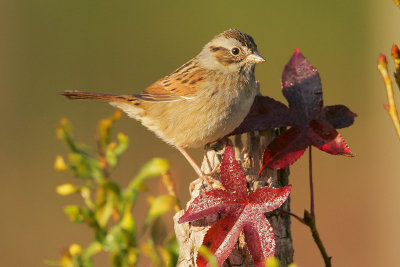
column 243, row 212
column 311, row 123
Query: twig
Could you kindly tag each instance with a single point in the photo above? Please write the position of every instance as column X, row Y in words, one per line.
column 396, row 59
column 293, row 215
column 310, row 222
column 391, row 106
column 309, row 217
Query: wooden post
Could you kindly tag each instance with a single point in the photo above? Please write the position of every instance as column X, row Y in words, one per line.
column 248, row 150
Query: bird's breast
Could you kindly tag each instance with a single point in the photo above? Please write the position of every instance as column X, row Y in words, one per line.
column 210, row 115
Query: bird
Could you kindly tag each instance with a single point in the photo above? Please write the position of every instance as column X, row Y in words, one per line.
column 200, row 102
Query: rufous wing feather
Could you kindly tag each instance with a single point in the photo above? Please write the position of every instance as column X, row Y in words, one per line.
column 174, row 87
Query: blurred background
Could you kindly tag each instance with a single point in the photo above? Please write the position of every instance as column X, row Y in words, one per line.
column 123, row 46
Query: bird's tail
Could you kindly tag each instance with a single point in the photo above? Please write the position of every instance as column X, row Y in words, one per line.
column 99, row 96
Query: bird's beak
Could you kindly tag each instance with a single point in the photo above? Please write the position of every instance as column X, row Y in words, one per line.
column 255, row 58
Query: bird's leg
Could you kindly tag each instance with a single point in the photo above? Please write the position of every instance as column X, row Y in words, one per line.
column 191, row 161
column 203, row 176
column 215, row 170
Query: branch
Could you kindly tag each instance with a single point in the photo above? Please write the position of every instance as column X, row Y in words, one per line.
column 309, row 220
column 396, row 58
column 391, row 106
column 309, row 217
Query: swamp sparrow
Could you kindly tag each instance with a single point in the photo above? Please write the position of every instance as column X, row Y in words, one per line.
column 200, row 102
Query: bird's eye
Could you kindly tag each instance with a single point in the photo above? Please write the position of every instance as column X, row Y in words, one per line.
column 235, row 50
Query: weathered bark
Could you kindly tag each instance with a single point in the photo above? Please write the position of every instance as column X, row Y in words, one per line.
column 248, row 151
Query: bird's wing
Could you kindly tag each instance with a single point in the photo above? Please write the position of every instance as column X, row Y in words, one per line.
column 175, row 87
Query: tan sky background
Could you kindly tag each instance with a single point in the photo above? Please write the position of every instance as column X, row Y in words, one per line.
column 123, row 46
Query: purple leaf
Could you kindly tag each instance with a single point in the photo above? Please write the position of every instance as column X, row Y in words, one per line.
column 311, row 123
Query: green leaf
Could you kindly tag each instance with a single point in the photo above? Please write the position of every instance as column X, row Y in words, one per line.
column 104, row 132
column 59, row 164
column 66, row 189
column 123, row 142
column 107, row 205
column 85, row 167
column 151, row 169
column 64, row 133
column 95, row 169
column 110, row 154
column 127, row 222
column 75, row 250
column 104, row 128
column 133, row 256
column 111, row 186
column 159, row 206
column 113, row 150
column 74, row 213
column 79, row 215
column 78, row 165
column 154, row 168
column 93, row 248
column 117, row 239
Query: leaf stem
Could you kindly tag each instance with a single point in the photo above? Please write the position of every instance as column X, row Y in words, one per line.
column 309, row 218
column 311, row 182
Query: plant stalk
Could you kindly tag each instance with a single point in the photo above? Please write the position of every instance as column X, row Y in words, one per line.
column 311, row 182
column 309, row 218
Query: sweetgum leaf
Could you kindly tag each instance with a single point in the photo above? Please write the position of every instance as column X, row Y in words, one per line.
column 209, row 202
column 265, row 113
column 243, row 212
column 221, row 238
column 260, row 237
column 311, row 123
column 232, row 176
column 339, row 116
